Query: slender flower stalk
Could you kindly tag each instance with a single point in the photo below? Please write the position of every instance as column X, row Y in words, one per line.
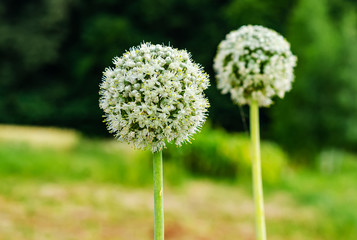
column 256, row 172
column 255, row 64
column 154, row 95
column 158, row 196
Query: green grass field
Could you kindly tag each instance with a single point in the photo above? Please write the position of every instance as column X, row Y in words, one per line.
column 90, row 189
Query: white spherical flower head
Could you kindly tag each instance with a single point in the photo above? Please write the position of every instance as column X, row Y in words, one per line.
column 254, row 63
column 154, row 94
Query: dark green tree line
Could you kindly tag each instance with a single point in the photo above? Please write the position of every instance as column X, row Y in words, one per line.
column 54, row 51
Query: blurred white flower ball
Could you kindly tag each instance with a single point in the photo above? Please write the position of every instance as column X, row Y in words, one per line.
column 154, row 94
column 254, row 63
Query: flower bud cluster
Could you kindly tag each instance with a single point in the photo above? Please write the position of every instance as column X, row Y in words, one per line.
column 254, row 63
column 154, row 94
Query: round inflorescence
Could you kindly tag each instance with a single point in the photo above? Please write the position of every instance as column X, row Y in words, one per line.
column 254, row 63
column 154, row 94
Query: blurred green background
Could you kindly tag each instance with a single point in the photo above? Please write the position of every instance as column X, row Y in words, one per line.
column 52, row 54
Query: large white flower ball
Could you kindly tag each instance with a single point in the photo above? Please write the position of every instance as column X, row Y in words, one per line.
column 254, row 63
column 154, row 94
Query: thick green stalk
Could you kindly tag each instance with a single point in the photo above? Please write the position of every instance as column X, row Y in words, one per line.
column 158, row 197
column 256, row 169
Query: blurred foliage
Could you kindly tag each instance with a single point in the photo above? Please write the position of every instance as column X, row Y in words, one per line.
column 333, row 161
column 321, row 110
column 90, row 160
column 54, row 154
column 40, row 137
column 219, row 154
column 53, row 52
column 38, row 181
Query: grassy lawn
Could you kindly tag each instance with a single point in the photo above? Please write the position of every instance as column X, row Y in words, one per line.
column 98, row 189
column 198, row 209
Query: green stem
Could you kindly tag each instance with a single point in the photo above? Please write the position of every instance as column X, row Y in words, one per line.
column 158, row 197
column 256, row 169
